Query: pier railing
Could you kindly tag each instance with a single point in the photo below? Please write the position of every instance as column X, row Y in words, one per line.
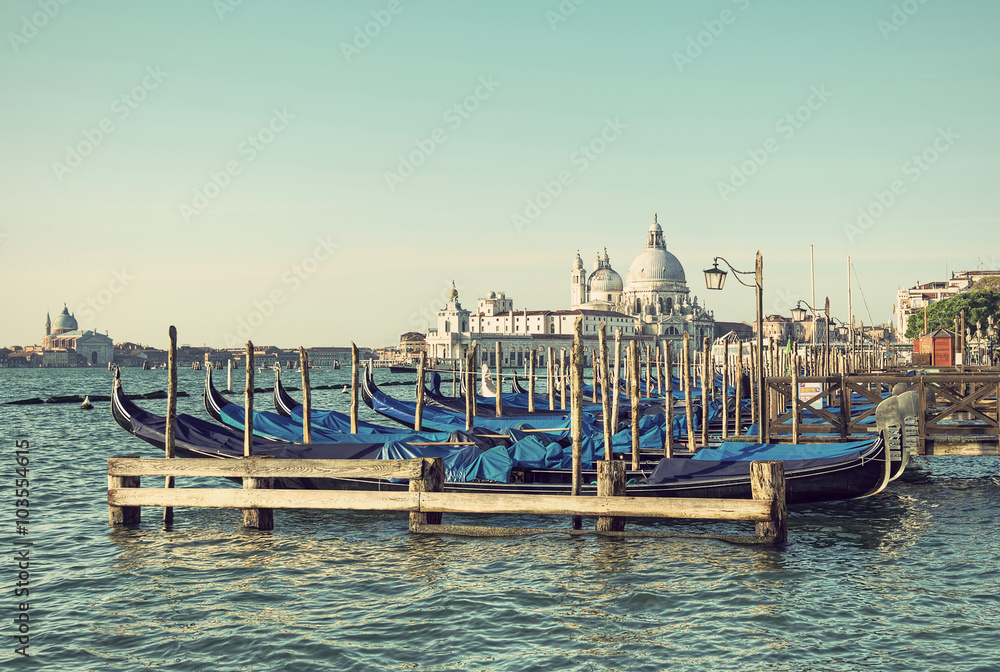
column 952, row 403
column 424, row 500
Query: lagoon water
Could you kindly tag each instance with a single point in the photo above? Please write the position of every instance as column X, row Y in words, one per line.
column 906, row 580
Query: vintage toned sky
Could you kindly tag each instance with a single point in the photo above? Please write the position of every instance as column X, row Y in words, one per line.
column 312, row 173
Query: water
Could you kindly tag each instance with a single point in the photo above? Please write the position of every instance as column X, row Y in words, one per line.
column 905, row 580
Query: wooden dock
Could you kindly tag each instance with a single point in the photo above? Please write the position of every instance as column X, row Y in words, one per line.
column 424, row 501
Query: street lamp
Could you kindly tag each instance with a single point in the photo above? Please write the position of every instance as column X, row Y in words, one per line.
column 715, row 278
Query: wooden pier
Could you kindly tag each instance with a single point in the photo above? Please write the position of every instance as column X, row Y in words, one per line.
column 424, row 501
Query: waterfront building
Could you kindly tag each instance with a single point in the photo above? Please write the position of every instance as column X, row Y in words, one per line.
column 652, row 304
column 916, row 298
column 84, row 347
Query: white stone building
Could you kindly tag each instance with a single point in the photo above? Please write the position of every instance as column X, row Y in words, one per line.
column 651, row 305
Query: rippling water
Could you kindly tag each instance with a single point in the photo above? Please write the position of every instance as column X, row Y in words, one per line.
column 907, row 580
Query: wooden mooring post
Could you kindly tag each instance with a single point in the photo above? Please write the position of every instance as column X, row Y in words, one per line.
column 470, row 385
column 602, row 362
column 576, row 416
column 419, row 411
column 248, row 404
column 610, row 483
column 306, row 397
column 171, row 428
column 688, row 407
column 354, row 388
column 668, row 399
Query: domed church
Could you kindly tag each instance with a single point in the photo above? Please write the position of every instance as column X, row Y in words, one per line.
column 655, row 293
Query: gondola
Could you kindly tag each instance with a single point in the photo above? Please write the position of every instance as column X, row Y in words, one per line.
column 851, row 470
column 285, row 428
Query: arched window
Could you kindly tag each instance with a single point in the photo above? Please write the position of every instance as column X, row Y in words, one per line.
column 670, row 305
column 638, row 307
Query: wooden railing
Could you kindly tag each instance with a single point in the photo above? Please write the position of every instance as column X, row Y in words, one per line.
column 424, row 500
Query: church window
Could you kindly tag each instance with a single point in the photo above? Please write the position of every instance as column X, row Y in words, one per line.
column 447, row 326
column 670, row 305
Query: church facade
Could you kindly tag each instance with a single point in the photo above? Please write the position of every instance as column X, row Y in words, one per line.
column 652, row 304
column 64, row 336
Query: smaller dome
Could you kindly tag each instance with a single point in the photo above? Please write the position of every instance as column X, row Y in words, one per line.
column 578, row 264
column 492, row 295
column 605, row 280
column 64, row 321
column 453, row 294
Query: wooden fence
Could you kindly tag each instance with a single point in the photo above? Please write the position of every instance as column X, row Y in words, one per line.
column 424, row 501
column 951, row 403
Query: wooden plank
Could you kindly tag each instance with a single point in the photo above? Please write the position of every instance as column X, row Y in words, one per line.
column 567, row 505
column 274, row 499
column 251, row 467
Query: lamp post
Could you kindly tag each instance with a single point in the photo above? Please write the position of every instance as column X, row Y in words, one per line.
column 715, row 278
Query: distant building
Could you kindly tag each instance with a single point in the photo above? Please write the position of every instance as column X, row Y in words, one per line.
column 652, row 304
column 916, row 298
column 63, row 334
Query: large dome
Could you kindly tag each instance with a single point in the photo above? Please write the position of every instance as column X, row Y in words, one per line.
column 655, row 264
column 64, row 321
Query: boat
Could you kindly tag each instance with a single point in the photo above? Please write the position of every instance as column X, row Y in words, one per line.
column 289, row 428
column 846, row 471
column 438, row 419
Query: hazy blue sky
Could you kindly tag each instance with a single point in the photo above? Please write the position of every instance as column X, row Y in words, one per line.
column 318, row 172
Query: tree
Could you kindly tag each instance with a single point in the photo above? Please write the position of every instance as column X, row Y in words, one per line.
column 978, row 306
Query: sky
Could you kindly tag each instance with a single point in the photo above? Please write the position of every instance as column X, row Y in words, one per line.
column 315, row 173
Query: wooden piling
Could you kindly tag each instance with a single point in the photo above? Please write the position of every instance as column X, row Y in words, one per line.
column 306, row 396
column 649, row 380
column 248, row 404
column 615, row 382
column 431, row 480
column 258, row 518
column 725, row 393
column 419, row 413
column 706, row 352
column 550, row 380
column 470, row 385
column 576, row 422
column 594, row 377
column 354, row 388
column 767, row 482
column 668, row 396
column 229, row 376
column 796, row 409
column 498, row 400
column 171, row 429
column 659, row 370
column 754, row 394
column 738, row 390
column 610, row 483
column 688, row 401
column 531, row 381
column 633, row 380
column 124, row 515
column 562, row 379
column 602, row 362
